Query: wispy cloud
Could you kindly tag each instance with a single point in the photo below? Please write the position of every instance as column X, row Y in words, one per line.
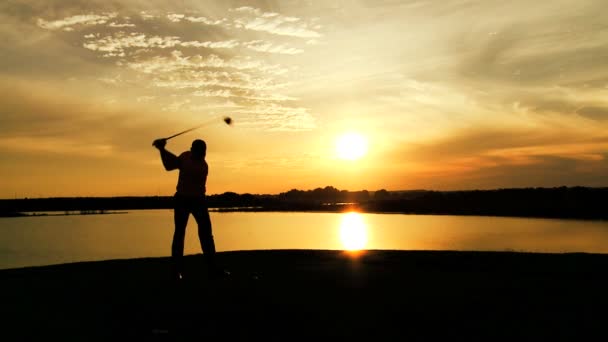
column 276, row 117
column 227, row 44
column 206, row 78
column 147, row 16
column 250, row 84
column 240, row 78
column 214, row 93
column 145, row 98
column 262, row 46
column 120, row 25
column 177, row 105
column 176, row 18
column 82, row 19
column 177, row 61
column 119, row 43
column 256, row 20
column 243, row 94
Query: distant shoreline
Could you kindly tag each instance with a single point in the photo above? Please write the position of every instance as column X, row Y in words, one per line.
column 35, row 214
column 562, row 202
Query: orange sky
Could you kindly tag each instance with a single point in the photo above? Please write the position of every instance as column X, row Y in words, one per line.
column 447, row 94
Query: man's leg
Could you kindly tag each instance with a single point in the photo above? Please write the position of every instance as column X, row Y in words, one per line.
column 180, row 218
column 205, row 234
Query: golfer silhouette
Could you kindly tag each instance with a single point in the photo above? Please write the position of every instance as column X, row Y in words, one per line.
column 190, row 199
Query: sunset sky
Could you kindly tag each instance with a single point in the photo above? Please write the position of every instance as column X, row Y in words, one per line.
column 443, row 95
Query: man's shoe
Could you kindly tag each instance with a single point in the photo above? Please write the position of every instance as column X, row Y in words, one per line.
column 177, row 277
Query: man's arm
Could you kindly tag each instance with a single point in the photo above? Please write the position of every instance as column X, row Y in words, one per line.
column 170, row 160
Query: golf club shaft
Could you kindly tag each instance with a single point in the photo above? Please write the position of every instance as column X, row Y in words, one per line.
column 191, row 129
column 182, row 132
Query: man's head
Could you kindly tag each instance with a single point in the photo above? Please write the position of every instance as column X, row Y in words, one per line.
column 199, row 148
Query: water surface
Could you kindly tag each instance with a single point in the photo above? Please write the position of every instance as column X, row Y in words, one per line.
column 45, row 240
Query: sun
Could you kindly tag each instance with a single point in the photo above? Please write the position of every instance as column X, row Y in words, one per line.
column 351, row 146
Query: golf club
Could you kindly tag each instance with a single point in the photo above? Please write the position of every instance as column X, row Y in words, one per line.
column 227, row 120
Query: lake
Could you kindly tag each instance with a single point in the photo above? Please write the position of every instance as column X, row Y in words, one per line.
column 46, row 240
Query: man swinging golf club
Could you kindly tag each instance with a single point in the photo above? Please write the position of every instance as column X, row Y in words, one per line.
column 190, row 199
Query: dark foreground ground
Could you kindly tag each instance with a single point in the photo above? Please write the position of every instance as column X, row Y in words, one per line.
column 315, row 295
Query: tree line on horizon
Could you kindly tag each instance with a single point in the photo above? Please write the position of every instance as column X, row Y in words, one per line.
column 562, row 202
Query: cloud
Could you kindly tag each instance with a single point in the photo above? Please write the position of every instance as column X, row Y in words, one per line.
column 599, row 113
column 147, row 16
column 249, row 79
column 544, row 171
column 83, row 19
column 262, row 46
column 244, row 77
column 275, row 117
column 227, row 104
column 177, row 61
column 271, row 97
column 568, row 142
column 545, row 60
column 253, row 19
column 176, row 18
column 117, row 25
column 116, row 80
column 201, row 79
column 517, row 57
column 207, row 21
column 187, row 81
column 214, row 93
column 492, row 156
column 247, row 95
column 176, row 106
column 145, row 98
column 117, row 44
column 274, row 23
column 227, row 44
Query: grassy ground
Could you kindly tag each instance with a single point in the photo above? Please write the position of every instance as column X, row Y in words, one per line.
column 313, row 295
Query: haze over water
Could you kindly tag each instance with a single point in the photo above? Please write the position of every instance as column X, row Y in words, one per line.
column 32, row 241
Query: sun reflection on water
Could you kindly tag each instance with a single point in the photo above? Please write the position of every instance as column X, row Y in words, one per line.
column 353, row 232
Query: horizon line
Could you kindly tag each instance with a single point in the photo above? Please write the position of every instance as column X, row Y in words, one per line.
column 276, row 194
